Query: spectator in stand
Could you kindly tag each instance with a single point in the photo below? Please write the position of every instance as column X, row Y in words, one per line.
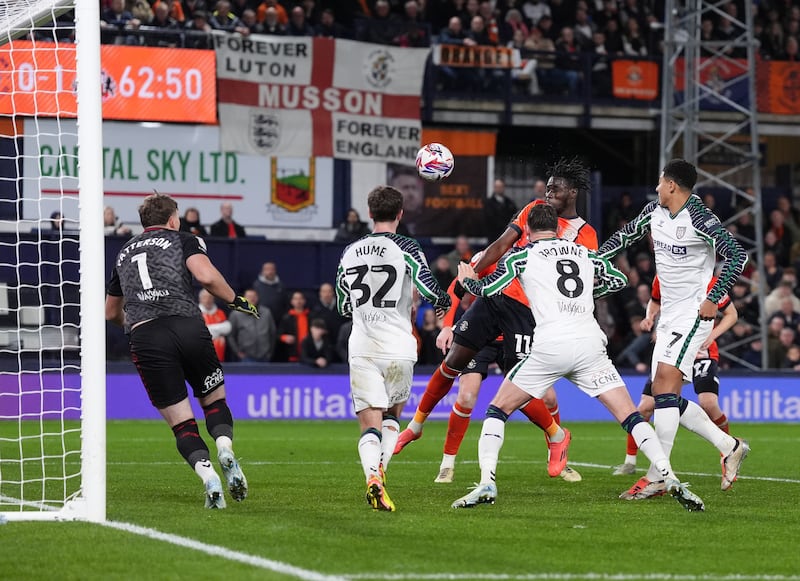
column 772, row 41
column 272, row 23
column 614, row 44
column 524, row 76
column 545, row 24
column 56, row 222
column 513, row 23
column 112, row 225
column 293, row 328
column 454, row 78
column 261, row 12
column 784, row 234
column 775, row 351
column 639, row 347
column 790, row 217
column 633, row 10
column 325, row 309
column 239, row 6
column 638, row 306
column 601, row 70
column 248, row 19
column 297, row 23
column 609, row 12
column 164, row 23
column 198, row 24
column 312, row 12
column 440, row 269
column 191, row 222
column 534, row 10
column 429, row 353
column 471, row 10
column 486, row 11
column 216, row 321
column 539, row 190
column 775, row 247
column 792, row 359
column 252, row 340
column 316, row 349
column 479, row 79
column 745, row 302
column 224, row 19
column 775, row 298
column 413, row 31
column 115, row 21
column 786, row 340
column 546, row 76
column 189, row 7
column 271, row 294
column 498, row 211
column 461, row 253
column 383, row 27
column 568, row 62
column 142, row 12
column 352, row 228
column 633, row 43
column 772, row 270
column 584, row 29
column 226, row 227
column 791, row 317
column 328, row 27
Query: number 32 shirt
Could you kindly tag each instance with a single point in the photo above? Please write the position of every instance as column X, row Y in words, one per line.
column 151, row 273
column 374, row 286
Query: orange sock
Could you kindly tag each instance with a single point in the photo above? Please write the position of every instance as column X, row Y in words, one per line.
column 456, row 429
column 722, row 423
column 440, row 383
column 537, row 412
column 631, row 448
column 556, row 416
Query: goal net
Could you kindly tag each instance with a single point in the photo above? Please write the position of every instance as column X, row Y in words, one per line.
column 52, row 328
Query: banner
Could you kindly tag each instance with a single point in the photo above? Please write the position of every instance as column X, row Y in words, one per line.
column 783, row 88
column 183, row 161
column 728, row 77
column 635, row 79
column 304, row 396
column 487, row 57
column 138, row 83
column 298, row 97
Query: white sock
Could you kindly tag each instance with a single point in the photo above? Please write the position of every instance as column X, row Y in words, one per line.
column 224, row 442
column 489, row 444
column 390, row 430
column 695, row 419
column 646, row 439
column 204, row 470
column 666, row 422
column 630, row 459
column 369, row 450
column 448, row 461
column 414, row 426
column 558, row 436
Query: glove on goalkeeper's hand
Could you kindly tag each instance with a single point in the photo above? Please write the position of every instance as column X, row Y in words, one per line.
column 242, row 305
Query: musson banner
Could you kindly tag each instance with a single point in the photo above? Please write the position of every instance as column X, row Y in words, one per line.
column 299, row 97
column 183, row 161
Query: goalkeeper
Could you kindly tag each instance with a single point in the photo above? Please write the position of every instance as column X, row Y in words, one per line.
column 150, row 294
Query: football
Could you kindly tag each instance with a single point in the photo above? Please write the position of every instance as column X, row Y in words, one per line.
column 434, row 162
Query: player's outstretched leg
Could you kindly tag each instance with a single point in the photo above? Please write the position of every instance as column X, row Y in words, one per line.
column 438, row 386
column 547, row 419
column 489, row 444
column 685, row 497
column 214, row 496
column 377, row 497
column 629, row 465
column 194, row 450
column 219, row 423
column 733, row 462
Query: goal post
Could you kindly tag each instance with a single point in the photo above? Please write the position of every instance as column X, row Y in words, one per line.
column 52, row 323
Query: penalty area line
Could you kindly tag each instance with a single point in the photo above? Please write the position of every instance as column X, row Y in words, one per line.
column 225, row 553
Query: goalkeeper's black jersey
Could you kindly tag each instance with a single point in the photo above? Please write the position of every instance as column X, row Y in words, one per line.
column 151, row 274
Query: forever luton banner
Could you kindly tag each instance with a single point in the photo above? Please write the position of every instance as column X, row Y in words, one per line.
column 302, row 97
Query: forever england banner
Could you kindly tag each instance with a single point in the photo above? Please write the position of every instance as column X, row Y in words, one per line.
column 303, row 97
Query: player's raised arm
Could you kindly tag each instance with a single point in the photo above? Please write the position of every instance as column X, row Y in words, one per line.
column 343, row 304
column 421, row 275
column 730, row 249
column 509, row 267
column 629, row 234
column 607, row 278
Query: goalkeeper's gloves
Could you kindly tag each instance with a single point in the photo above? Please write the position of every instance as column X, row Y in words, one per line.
column 242, row 305
column 459, row 290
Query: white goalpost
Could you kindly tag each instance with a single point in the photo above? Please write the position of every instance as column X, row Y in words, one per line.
column 52, row 323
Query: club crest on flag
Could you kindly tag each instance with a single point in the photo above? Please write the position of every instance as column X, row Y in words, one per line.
column 379, row 66
column 264, row 130
column 680, row 232
column 293, row 186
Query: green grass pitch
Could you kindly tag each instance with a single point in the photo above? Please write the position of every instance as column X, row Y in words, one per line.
column 306, row 510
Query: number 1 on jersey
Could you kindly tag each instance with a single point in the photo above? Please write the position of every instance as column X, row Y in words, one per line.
column 144, row 275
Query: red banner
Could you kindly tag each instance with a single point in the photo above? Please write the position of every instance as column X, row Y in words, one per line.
column 137, row 83
column 635, row 79
column 783, row 89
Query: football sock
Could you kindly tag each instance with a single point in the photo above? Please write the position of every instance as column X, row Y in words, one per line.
column 204, row 469
column 448, row 461
column 537, row 412
column 556, row 415
column 369, row 451
column 440, row 383
column 219, row 420
column 224, row 442
column 190, row 445
column 489, row 445
column 696, row 420
column 558, row 435
column 722, row 423
column 456, row 429
column 630, row 449
column 645, row 437
column 390, row 430
column 666, row 418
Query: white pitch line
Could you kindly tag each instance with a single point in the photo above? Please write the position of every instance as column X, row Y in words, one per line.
column 568, row 577
column 225, row 553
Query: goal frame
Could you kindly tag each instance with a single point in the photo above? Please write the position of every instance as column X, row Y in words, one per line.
column 90, row 503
